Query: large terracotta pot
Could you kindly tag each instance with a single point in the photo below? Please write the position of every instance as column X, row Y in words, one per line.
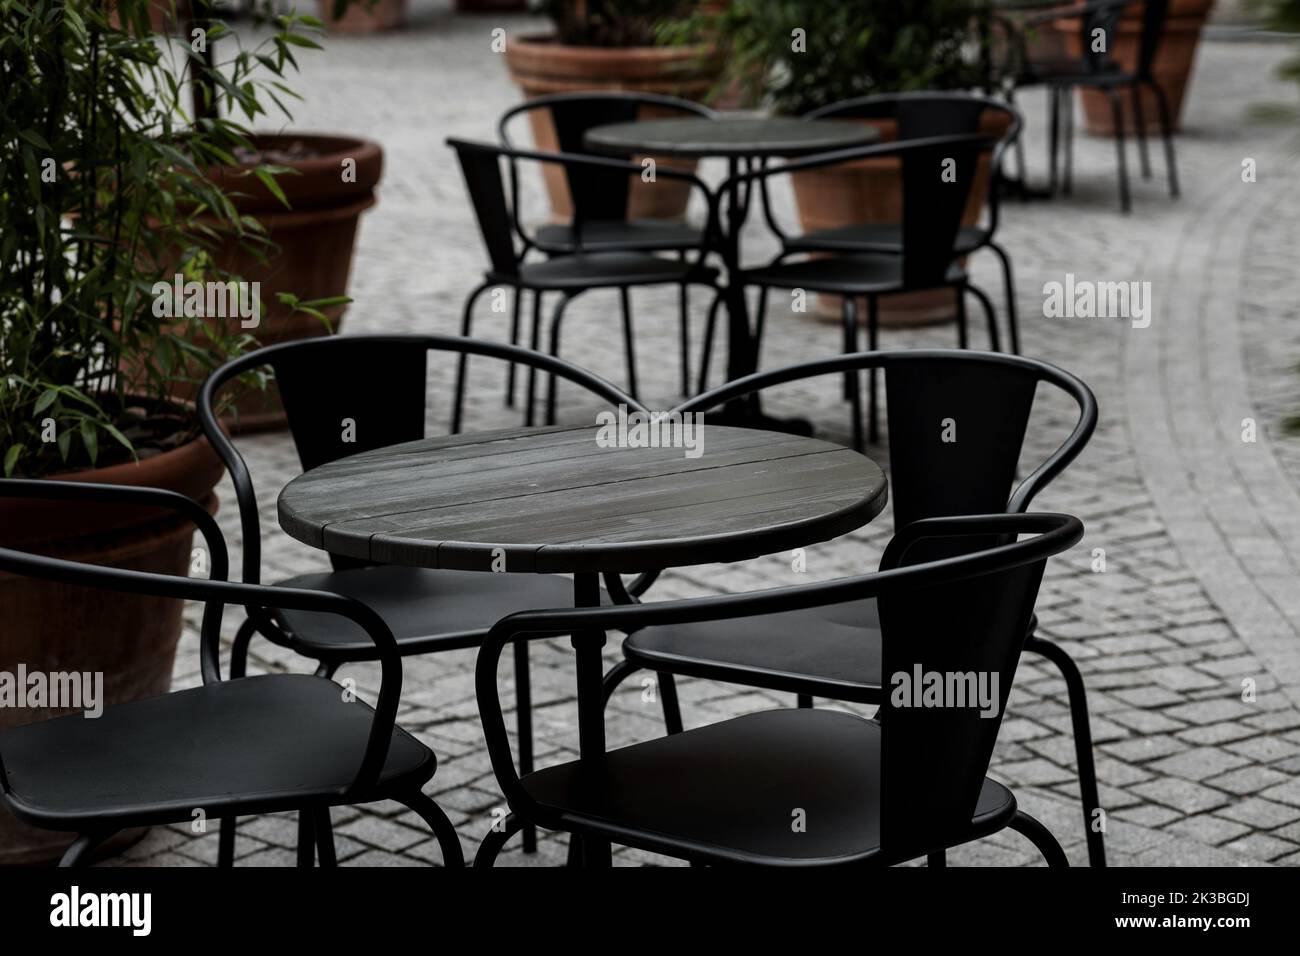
column 871, row 190
column 315, row 236
column 131, row 639
column 360, row 18
column 540, row 65
column 1173, row 64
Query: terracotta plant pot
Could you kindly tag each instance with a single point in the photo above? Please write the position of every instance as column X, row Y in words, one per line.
column 539, row 65
column 361, row 19
column 1173, row 65
column 315, row 236
column 871, row 190
column 131, row 639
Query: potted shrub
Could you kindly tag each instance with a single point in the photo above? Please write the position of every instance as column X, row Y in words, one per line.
column 1173, row 64
column 104, row 197
column 797, row 55
column 610, row 45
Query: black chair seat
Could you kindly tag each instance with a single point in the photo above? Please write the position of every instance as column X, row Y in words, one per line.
column 609, row 269
column 875, row 237
column 647, row 235
column 257, row 744
column 426, row 610
column 838, row 645
column 849, row 274
column 1068, row 72
column 733, row 786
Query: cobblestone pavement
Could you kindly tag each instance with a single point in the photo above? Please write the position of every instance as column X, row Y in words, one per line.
column 1198, row 526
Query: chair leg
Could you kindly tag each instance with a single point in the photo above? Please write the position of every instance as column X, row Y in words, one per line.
column 1140, row 130
column 1040, row 837
column 466, row 320
column 524, row 726
column 511, row 369
column 495, row 840
column 995, row 339
column 324, row 828
column 306, row 838
column 1117, row 116
column 629, row 346
column 432, row 814
column 82, row 847
column 1078, row 697
column 803, row 701
column 238, row 667
column 963, row 334
column 873, row 345
column 706, row 352
column 534, row 340
column 1009, row 287
column 684, row 334
column 1167, row 134
column 852, row 383
column 760, row 322
column 668, row 701
column 553, row 380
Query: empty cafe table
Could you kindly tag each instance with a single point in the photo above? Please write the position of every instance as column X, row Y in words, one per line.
column 740, row 140
column 562, row 500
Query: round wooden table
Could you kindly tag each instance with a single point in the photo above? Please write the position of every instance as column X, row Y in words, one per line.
column 564, row 500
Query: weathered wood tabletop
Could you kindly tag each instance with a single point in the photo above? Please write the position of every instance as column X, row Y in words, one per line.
column 555, row 500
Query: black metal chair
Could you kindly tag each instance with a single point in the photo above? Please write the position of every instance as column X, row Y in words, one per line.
column 927, row 258
column 378, row 383
column 911, row 783
column 573, row 273
column 918, row 115
column 240, row 746
column 1098, row 70
column 937, row 468
column 603, row 200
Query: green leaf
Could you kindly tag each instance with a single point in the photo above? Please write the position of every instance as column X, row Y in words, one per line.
column 268, row 180
column 45, row 401
column 90, row 439
column 11, row 459
column 35, row 138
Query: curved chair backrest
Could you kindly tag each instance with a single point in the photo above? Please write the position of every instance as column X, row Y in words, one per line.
column 498, row 217
column 375, row 385
column 962, row 618
column 957, row 422
column 926, row 113
column 937, row 173
column 215, row 592
column 596, row 194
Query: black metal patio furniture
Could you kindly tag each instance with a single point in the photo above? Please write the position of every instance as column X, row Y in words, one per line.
column 378, row 384
column 957, row 423
column 927, row 258
column 1098, row 70
column 601, row 201
column 570, row 274
column 918, row 116
column 803, row 787
column 244, row 745
column 744, row 142
column 578, row 500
